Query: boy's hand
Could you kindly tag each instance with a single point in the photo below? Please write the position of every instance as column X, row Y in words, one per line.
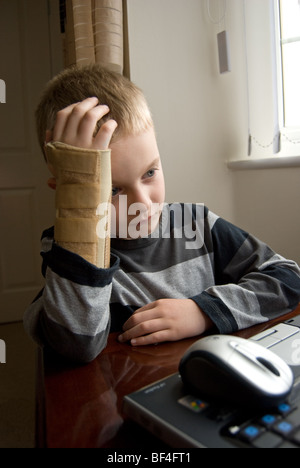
column 75, row 125
column 165, row 320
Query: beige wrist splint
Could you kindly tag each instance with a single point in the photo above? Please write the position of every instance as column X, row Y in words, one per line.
column 83, row 182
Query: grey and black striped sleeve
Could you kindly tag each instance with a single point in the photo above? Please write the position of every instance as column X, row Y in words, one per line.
column 72, row 313
column 253, row 284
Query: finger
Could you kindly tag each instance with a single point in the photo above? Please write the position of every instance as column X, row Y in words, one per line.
column 104, row 135
column 87, row 125
column 75, row 132
column 140, row 316
column 148, row 306
column 144, row 328
column 153, row 338
column 61, row 120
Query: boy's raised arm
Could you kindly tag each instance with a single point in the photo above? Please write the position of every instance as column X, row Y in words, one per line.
column 79, row 160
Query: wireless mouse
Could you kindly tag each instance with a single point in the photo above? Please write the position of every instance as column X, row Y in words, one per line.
column 225, row 369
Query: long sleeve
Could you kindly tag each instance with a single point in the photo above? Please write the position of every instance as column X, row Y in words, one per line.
column 71, row 314
column 252, row 283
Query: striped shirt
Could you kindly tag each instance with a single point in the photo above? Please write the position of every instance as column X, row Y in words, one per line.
column 236, row 279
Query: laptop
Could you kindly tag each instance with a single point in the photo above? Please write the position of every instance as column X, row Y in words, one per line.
column 183, row 420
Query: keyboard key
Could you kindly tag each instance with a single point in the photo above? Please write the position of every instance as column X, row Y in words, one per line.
column 284, row 409
column 267, row 440
column 284, row 331
column 294, row 418
column 296, row 437
column 249, row 433
column 275, row 335
column 295, row 321
column 287, row 445
column 268, row 420
column 284, row 428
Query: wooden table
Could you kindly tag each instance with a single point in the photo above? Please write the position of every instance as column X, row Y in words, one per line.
column 81, row 406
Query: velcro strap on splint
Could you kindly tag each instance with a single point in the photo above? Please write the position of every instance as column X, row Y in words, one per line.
column 77, row 196
column 76, row 230
column 70, row 158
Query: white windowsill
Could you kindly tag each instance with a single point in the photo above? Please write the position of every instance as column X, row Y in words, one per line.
column 264, row 163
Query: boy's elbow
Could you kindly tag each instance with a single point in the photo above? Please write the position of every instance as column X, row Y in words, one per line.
column 77, row 352
column 74, row 347
column 84, row 354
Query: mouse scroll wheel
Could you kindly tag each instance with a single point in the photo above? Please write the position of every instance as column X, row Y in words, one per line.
column 268, row 365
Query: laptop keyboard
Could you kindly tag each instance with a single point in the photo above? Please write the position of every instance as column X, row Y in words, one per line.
column 186, row 419
column 280, row 427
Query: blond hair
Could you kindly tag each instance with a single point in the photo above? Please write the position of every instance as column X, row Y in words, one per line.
column 125, row 100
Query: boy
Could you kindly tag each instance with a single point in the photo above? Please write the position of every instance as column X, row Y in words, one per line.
column 174, row 272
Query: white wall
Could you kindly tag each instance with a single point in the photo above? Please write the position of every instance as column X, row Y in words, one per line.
column 173, row 59
column 201, row 117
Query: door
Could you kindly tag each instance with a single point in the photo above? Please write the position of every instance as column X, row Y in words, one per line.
column 30, row 54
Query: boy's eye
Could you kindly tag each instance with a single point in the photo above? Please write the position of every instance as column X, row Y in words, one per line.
column 150, row 173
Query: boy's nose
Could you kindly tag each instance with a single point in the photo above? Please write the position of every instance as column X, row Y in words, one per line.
column 142, row 197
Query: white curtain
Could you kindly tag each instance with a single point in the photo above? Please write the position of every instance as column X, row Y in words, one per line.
column 262, row 86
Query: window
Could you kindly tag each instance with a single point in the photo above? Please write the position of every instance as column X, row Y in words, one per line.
column 272, row 51
column 290, row 53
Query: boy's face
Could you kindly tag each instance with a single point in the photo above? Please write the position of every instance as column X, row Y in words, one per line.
column 138, row 185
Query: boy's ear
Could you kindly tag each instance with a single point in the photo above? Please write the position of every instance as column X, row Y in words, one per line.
column 52, row 183
column 48, row 136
